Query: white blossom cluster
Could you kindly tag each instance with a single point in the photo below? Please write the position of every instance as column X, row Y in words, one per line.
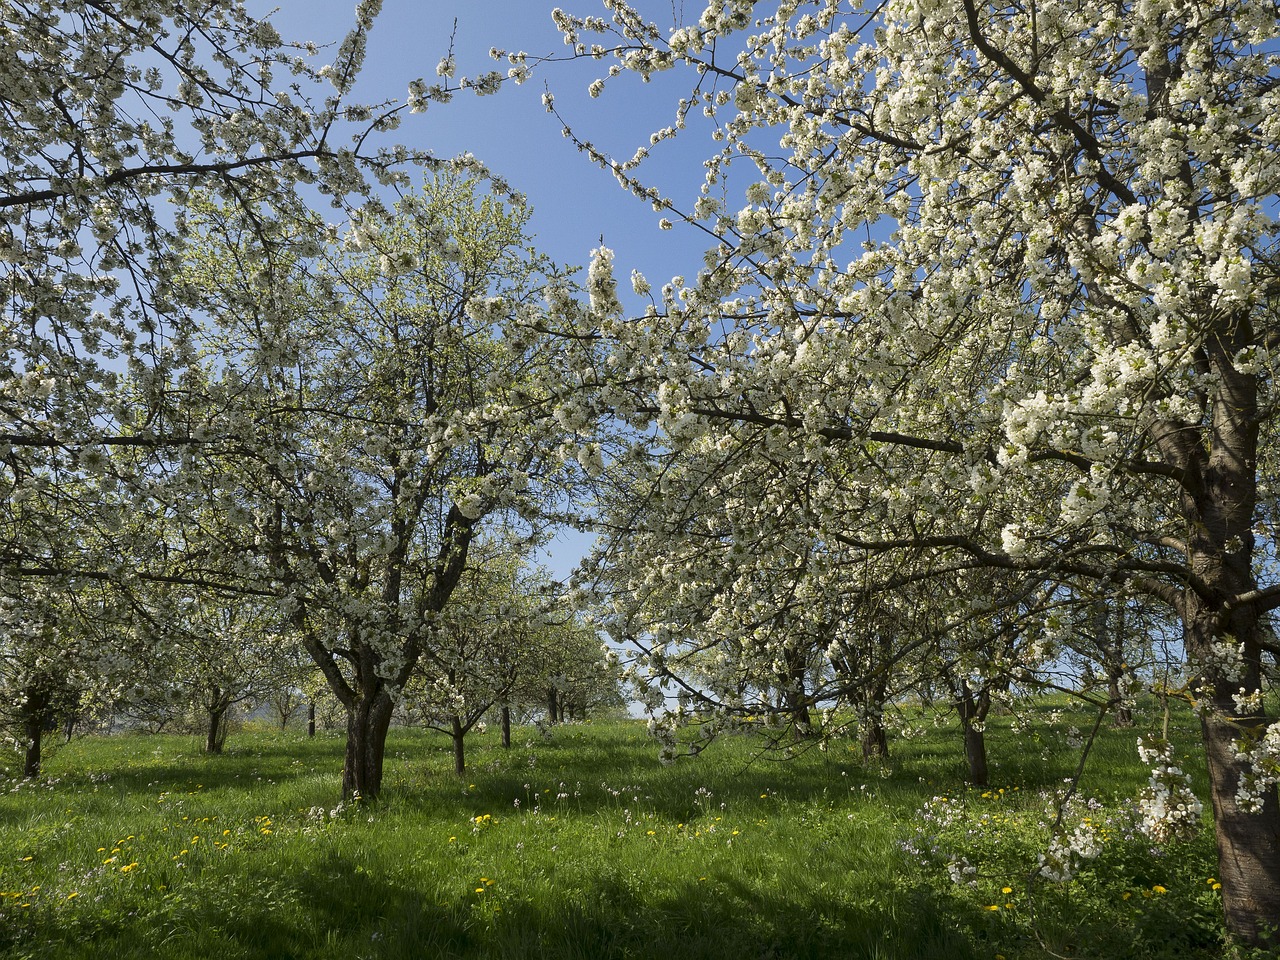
column 1067, row 851
column 1260, row 756
column 1170, row 810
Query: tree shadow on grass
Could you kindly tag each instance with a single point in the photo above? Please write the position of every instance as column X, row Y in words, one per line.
column 727, row 919
column 340, row 909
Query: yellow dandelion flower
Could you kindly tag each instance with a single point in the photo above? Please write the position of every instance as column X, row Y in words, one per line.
column 993, row 906
column 1158, row 889
column 128, row 867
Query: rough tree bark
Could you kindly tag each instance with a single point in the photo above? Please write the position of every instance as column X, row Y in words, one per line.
column 35, row 716
column 216, row 722
column 875, row 740
column 1218, row 496
column 458, row 733
column 794, row 695
column 973, row 710
column 368, row 720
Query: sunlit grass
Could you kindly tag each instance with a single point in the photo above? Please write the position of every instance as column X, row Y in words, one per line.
column 583, row 845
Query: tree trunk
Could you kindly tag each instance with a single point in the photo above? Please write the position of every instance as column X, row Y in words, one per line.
column 34, row 729
column 216, row 732
column 459, row 757
column 35, row 715
column 1218, row 472
column 1124, row 716
column 1248, row 843
column 553, row 703
column 506, row 726
column 801, row 722
column 975, row 752
column 973, row 713
column 367, row 722
column 794, row 696
column 311, row 719
column 875, row 742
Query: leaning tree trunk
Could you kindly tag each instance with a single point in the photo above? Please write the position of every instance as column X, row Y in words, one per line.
column 368, row 720
column 506, row 726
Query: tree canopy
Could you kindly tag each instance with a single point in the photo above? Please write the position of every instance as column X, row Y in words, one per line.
column 991, row 287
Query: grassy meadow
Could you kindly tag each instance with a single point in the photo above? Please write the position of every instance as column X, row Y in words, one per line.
column 581, row 844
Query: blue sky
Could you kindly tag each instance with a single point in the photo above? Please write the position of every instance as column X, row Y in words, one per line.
column 574, row 202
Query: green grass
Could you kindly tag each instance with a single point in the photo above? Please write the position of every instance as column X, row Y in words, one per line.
column 583, row 845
